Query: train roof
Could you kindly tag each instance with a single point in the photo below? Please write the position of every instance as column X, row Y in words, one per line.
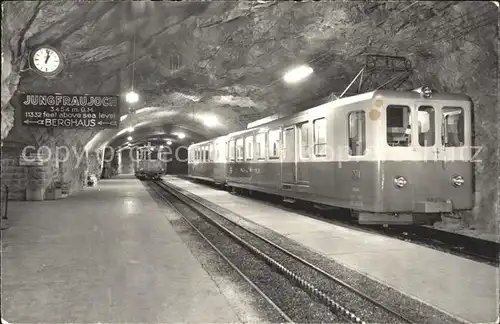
column 209, row 140
column 416, row 95
column 412, row 95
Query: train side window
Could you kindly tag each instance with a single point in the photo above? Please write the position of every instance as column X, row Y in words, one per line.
column 260, row 152
column 231, row 150
column 217, row 153
column 239, row 149
column 249, row 148
column 426, row 125
column 274, row 143
column 304, row 139
column 210, row 152
column 398, row 125
column 357, row 133
column 453, row 127
column 319, row 137
column 196, row 154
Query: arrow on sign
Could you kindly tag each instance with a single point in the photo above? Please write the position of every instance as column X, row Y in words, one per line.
column 113, row 123
column 34, row 122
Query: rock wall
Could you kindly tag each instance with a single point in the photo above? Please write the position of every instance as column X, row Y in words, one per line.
column 66, row 163
column 14, row 177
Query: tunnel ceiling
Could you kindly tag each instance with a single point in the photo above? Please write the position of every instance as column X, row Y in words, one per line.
column 189, row 60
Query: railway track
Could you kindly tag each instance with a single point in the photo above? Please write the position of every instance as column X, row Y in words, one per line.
column 453, row 243
column 298, row 290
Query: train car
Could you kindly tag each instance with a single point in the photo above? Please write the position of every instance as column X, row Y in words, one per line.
column 390, row 157
column 206, row 160
column 150, row 169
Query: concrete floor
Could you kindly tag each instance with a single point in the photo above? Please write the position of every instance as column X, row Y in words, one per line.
column 105, row 255
column 462, row 288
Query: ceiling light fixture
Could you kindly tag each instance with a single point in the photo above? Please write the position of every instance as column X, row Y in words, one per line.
column 298, row 74
column 210, row 121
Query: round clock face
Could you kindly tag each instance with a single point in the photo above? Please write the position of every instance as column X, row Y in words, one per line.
column 46, row 60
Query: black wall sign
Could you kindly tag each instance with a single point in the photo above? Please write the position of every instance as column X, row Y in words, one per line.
column 70, row 111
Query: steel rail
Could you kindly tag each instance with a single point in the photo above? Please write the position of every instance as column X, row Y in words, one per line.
column 327, row 301
column 427, row 236
column 291, row 254
column 248, row 280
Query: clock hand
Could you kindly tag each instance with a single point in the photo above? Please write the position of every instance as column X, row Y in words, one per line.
column 47, row 58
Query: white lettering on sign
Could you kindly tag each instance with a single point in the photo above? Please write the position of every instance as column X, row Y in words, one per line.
column 51, row 100
column 70, row 111
column 67, row 122
column 110, row 116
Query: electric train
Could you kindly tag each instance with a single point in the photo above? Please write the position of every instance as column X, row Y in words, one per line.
column 390, row 157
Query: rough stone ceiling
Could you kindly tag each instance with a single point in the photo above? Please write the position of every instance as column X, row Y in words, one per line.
column 188, row 60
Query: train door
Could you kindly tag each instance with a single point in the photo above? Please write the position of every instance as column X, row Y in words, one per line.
column 426, row 132
column 289, row 161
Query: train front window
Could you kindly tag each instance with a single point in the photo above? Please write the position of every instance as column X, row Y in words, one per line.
column 452, row 128
column 398, row 125
column 426, row 126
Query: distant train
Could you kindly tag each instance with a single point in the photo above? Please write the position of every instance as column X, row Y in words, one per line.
column 389, row 157
column 148, row 169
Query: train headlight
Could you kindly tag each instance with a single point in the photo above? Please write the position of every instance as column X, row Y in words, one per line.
column 400, row 181
column 426, row 92
column 457, row 181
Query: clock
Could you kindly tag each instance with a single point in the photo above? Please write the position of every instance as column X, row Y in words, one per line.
column 46, row 61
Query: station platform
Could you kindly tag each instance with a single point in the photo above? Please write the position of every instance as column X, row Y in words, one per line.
column 108, row 255
column 464, row 289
